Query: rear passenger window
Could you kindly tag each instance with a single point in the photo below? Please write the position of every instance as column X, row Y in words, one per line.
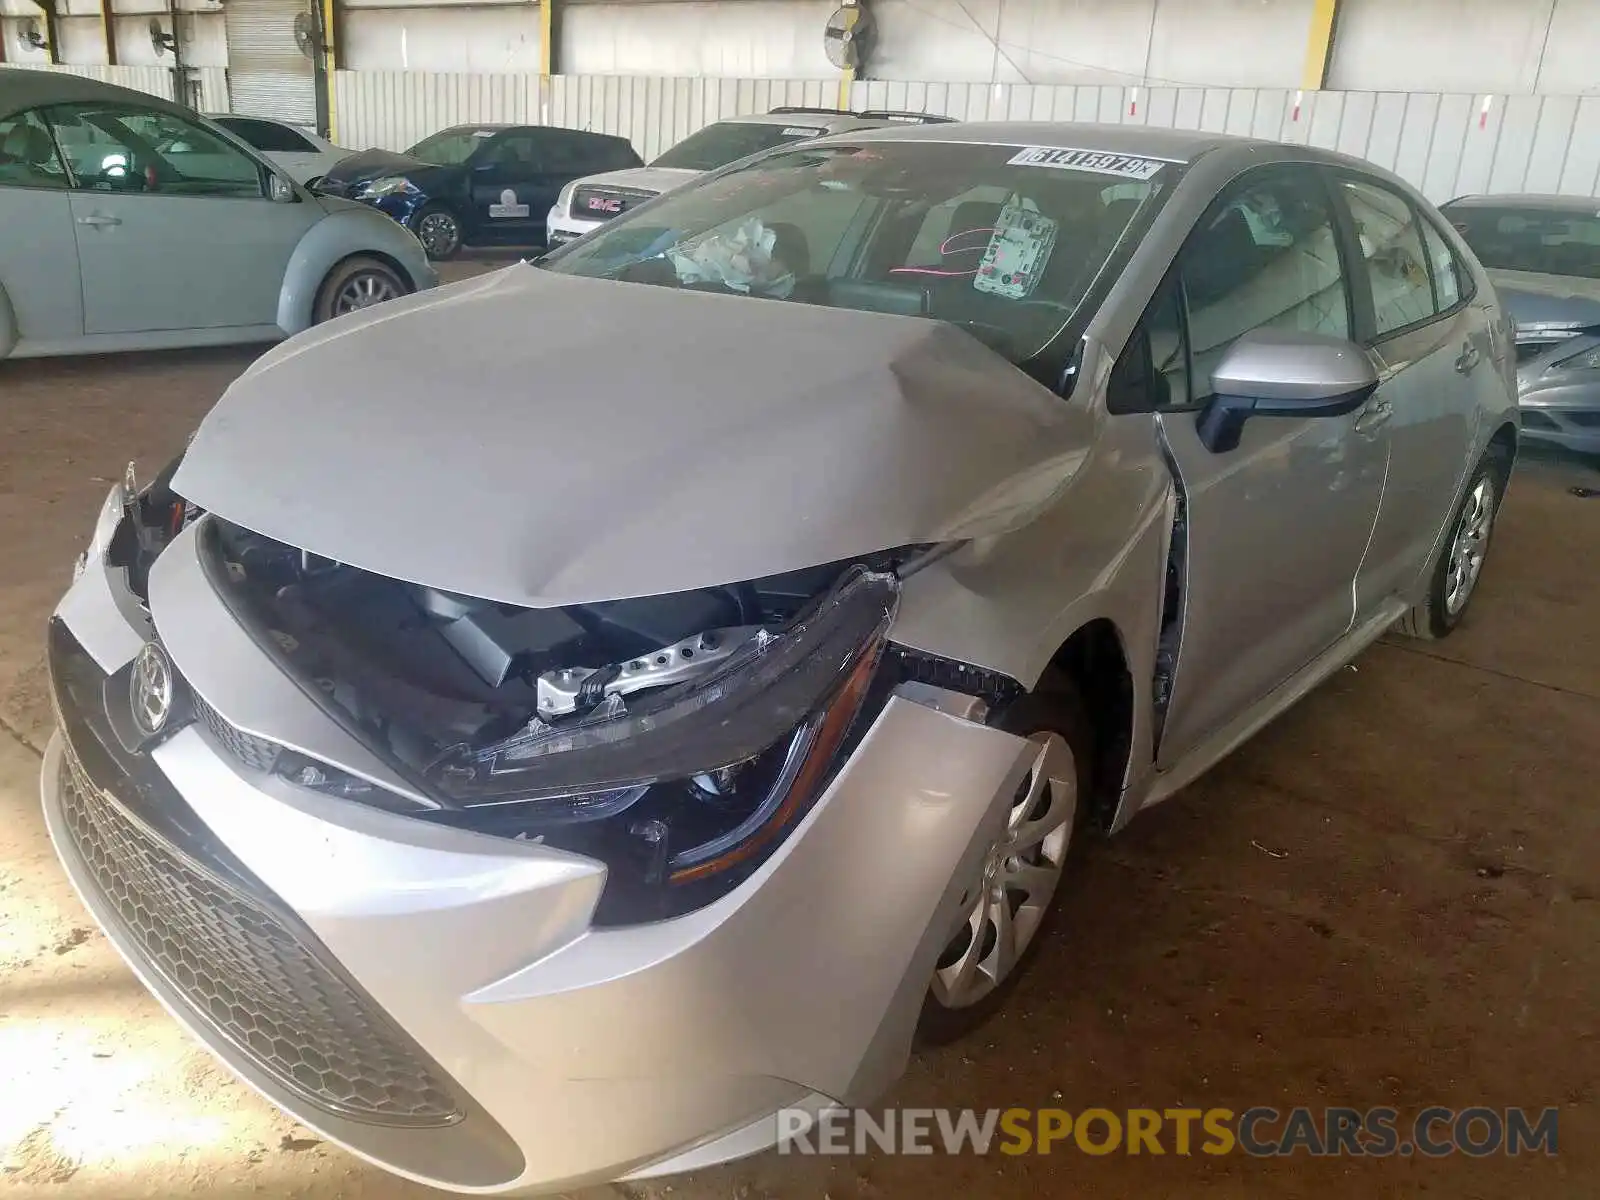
column 27, row 154
column 1391, row 244
column 1266, row 256
column 1447, row 286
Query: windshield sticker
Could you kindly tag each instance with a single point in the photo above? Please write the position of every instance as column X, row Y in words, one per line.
column 508, row 206
column 483, row 133
column 1018, row 251
column 1095, row 161
column 799, row 131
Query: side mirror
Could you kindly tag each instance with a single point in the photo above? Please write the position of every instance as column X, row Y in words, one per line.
column 1278, row 373
column 280, row 189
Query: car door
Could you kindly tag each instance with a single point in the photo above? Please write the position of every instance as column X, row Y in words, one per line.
column 1274, row 529
column 38, row 253
column 508, row 191
column 175, row 228
column 1433, row 347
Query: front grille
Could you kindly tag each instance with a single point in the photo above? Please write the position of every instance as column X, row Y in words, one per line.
column 244, row 970
column 603, row 203
column 255, row 752
column 1588, row 420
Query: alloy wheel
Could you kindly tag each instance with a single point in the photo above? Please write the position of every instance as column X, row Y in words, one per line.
column 1020, row 874
column 439, row 234
column 1469, row 545
column 363, row 291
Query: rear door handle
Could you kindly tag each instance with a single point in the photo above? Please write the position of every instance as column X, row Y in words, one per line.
column 1375, row 417
column 99, row 220
column 1469, row 358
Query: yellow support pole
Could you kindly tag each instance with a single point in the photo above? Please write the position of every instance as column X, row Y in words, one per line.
column 1319, row 46
column 330, row 64
column 848, row 75
column 547, row 38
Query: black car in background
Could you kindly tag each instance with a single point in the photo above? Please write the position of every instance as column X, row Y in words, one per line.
column 476, row 185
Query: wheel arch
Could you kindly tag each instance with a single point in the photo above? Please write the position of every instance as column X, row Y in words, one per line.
column 1503, row 447
column 333, row 240
column 1095, row 659
column 8, row 324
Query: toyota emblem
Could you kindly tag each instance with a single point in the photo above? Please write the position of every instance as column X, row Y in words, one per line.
column 150, row 689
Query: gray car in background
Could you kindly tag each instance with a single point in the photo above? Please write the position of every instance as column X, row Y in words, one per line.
column 1543, row 253
column 555, row 779
column 129, row 223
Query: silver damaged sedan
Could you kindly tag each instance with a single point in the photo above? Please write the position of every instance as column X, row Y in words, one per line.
column 543, row 729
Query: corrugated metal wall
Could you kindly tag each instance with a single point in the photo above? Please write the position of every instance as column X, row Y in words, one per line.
column 156, row 81
column 1446, row 144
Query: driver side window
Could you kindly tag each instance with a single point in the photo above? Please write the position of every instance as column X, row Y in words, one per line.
column 124, row 148
column 1265, row 256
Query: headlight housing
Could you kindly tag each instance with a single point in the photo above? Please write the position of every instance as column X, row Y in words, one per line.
column 682, row 792
column 389, row 185
column 697, row 784
column 564, row 200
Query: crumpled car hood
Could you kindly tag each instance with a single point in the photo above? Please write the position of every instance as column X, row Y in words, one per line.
column 543, row 439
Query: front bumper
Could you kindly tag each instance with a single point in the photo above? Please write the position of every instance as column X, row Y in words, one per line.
column 435, row 999
column 561, row 227
column 1571, row 427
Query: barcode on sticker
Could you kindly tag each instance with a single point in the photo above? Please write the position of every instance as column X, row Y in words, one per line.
column 1098, row 162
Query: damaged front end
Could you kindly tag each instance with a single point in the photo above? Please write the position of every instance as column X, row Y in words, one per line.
column 675, row 738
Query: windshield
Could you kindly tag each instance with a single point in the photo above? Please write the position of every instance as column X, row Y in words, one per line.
column 1004, row 241
column 450, row 148
column 1545, row 241
column 729, row 141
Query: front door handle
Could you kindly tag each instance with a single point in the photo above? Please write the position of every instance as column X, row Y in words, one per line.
column 1375, row 417
column 1469, row 358
column 99, row 220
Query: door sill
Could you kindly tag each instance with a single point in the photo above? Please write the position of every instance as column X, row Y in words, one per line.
column 1231, row 736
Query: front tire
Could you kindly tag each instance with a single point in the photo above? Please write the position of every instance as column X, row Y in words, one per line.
column 355, row 284
column 1455, row 576
column 1010, row 904
column 439, row 231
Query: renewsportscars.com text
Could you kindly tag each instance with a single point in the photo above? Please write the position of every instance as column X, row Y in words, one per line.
column 1260, row 1132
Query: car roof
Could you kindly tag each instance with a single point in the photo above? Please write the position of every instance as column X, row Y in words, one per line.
column 1177, row 145
column 834, row 120
column 22, row 89
column 1589, row 205
column 494, row 127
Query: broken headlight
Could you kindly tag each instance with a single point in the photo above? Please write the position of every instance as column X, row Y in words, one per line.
column 684, row 792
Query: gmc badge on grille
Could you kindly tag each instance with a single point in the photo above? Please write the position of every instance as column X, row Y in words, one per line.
column 605, row 204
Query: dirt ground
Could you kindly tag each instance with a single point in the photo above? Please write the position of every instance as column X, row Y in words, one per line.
column 1389, row 898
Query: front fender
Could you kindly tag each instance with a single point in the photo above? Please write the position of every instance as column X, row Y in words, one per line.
column 332, row 240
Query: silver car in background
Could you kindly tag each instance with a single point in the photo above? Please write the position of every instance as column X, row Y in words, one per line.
column 550, row 781
column 129, row 223
column 1543, row 253
column 303, row 154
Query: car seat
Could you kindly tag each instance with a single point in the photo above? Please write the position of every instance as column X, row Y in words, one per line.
column 30, row 148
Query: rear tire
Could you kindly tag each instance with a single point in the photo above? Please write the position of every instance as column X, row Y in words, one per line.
column 355, row 284
column 1460, row 567
column 966, row 990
